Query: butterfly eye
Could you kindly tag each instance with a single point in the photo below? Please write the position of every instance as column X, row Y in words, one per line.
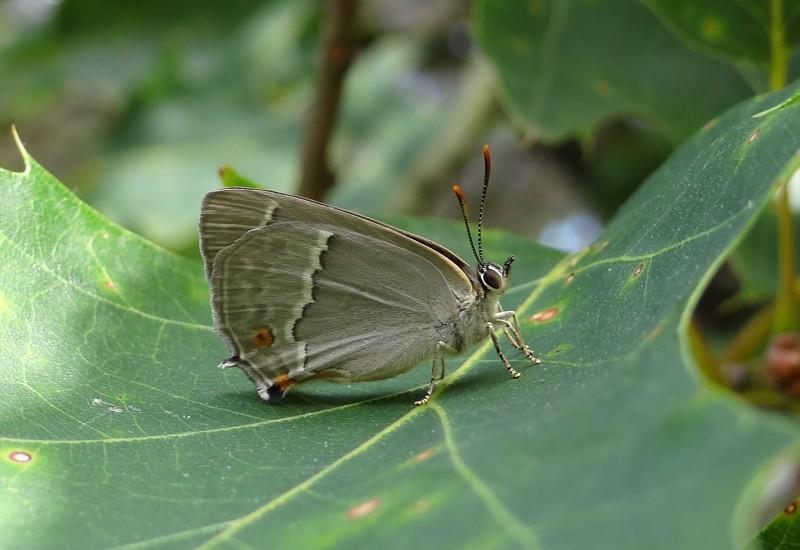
column 492, row 279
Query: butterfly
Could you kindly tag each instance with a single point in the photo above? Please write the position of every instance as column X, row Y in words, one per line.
column 301, row 290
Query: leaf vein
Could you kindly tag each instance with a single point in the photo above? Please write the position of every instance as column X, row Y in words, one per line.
column 503, row 515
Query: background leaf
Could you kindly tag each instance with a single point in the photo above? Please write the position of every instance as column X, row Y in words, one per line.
column 107, row 383
column 738, row 30
column 566, row 66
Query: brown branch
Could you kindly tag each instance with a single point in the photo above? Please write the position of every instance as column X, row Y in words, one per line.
column 337, row 51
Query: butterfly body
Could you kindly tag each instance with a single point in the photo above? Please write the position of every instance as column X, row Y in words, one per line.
column 301, row 290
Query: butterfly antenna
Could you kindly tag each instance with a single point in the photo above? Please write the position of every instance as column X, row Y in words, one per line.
column 463, row 204
column 487, row 171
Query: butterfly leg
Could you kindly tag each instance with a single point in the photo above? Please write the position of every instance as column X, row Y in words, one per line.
column 506, row 363
column 514, row 334
column 437, row 369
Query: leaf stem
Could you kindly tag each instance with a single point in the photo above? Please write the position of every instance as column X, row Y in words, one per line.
column 779, row 54
column 786, row 301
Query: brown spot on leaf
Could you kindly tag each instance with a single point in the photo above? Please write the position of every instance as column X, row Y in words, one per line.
column 544, row 315
column 519, row 44
column 536, row 7
column 108, row 284
column 711, row 28
column 791, row 509
column 638, row 270
column 570, row 278
column 262, row 337
column 422, row 506
column 602, row 88
column 364, row 509
column 424, row 455
column 20, row 457
column 754, row 136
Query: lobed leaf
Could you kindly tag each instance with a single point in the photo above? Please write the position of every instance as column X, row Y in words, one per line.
column 108, row 387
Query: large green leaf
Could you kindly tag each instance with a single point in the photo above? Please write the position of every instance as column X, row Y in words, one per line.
column 567, row 65
column 615, row 441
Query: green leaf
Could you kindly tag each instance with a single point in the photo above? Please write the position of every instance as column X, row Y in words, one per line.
column 107, row 382
column 782, row 534
column 566, row 66
column 737, row 30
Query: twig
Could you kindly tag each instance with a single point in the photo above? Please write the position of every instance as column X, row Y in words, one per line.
column 337, row 51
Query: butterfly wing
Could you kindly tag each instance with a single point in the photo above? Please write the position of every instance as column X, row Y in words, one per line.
column 300, row 289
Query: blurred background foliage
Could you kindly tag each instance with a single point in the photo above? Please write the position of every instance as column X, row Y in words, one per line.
column 137, row 105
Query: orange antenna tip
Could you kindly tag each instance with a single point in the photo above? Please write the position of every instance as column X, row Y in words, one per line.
column 487, row 161
column 458, row 192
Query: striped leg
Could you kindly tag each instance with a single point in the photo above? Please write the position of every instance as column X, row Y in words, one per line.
column 437, row 370
column 514, row 334
column 506, row 364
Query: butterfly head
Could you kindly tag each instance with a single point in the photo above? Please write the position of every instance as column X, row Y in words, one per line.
column 494, row 277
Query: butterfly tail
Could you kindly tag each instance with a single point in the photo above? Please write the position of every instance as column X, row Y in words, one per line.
column 270, row 391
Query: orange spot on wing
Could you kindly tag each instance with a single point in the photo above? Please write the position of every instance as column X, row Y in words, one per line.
column 283, row 382
column 262, row 337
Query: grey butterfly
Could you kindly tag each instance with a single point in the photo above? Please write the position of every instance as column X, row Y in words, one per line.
column 301, row 290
